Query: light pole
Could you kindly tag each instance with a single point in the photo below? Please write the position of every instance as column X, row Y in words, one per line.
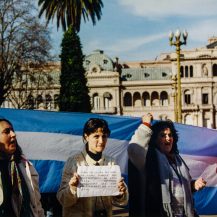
column 178, row 44
column 174, row 94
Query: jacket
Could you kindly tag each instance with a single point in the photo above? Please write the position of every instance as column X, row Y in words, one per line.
column 155, row 178
column 83, row 207
column 31, row 178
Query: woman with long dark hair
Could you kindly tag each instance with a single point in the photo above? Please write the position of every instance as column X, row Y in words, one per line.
column 165, row 183
column 19, row 191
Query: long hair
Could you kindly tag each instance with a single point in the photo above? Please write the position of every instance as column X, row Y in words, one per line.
column 18, row 152
column 162, row 125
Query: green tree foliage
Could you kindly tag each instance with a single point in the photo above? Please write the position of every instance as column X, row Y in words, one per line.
column 69, row 12
column 73, row 92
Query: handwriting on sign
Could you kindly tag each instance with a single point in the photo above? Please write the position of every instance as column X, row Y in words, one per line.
column 98, row 181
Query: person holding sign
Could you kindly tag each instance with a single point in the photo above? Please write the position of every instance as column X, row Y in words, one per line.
column 164, row 185
column 95, row 134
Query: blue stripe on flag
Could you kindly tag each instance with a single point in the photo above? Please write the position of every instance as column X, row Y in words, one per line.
column 198, row 145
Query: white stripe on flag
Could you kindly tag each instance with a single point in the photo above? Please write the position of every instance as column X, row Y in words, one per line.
column 57, row 146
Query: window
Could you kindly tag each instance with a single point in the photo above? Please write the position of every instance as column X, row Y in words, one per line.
column 155, row 99
column 146, row 99
column 187, row 98
column 127, row 99
column 214, row 70
column 48, row 102
column 164, row 98
column 181, row 72
column 107, row 97
column 39, row 102
column 137, row 99
column 96, row 101
column 186, row 71
column 56, row 101
column 191, row 71
column 205, row 98
column 164, row 74
column 128, row 75
column 87, row 62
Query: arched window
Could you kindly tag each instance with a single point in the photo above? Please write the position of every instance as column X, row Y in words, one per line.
column 48, row 102
column 96, row 101
column 155, row 99
column 146, row 99
column 56, row 102
column 127, row 99
column 107, row 97
column 188, row 119
column 39, row 102
column 164, row 98
column 137, row 99
column 187, row 97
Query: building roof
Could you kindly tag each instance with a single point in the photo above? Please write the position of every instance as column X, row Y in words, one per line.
column 98, row 58
column 149, row 73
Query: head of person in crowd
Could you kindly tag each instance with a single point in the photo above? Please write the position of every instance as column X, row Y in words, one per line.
column 95, row 134
column 164, row 137
column 8, row 141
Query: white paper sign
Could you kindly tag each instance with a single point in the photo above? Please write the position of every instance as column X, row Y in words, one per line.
column 98, row 181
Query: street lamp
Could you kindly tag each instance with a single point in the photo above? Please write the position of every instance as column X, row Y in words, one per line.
column 174, row 94
column 178, row 44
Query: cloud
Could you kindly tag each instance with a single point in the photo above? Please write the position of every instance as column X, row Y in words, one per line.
column 153, row 9
column 133, row 48
column 126, row 45
column 201, row 31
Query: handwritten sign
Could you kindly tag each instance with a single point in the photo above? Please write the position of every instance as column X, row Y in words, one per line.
column 98, row 181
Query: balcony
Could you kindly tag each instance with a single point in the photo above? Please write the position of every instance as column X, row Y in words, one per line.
column 103, row 110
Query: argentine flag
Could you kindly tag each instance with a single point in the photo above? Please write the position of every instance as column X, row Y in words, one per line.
column 49, row 138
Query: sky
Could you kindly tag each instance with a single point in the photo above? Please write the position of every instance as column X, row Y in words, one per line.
column 137, row 30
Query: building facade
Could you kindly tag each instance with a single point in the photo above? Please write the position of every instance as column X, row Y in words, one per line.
column 135, row 88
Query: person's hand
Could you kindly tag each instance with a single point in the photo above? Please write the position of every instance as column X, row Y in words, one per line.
column 199, row 184
column 74, row 180
column 121, row 187
column 147, row 118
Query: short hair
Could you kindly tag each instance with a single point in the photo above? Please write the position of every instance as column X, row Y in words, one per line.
column 162, row 125
column 93, row 124
column 18, row 152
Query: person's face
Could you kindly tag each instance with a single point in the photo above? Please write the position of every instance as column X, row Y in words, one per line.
column 165, row 141
column 96, row 141
column 8, row 140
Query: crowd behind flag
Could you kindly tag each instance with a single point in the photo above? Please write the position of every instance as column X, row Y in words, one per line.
column 49, row 138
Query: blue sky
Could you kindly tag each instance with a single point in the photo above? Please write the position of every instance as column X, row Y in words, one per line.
column 136, row 30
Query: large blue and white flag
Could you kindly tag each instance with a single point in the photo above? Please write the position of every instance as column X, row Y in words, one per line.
column 49, row 138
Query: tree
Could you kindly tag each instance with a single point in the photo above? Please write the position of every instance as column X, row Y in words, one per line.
column 73, row 91
column 70, row 12
column 29, row 83
column 23, row 40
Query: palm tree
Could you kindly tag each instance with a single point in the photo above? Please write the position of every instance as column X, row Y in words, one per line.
column 69, row 12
